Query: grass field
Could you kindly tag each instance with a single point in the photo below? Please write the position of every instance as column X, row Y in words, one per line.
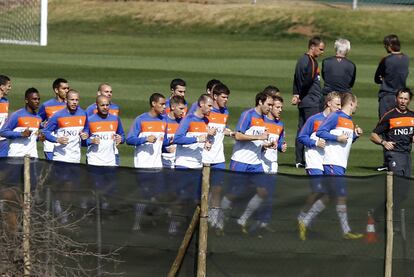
column 138, row 47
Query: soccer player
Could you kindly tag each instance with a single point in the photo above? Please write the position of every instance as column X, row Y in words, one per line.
column 105, row 133
column 250, row 137
column 391, row 74
column 314, row 153
column 5, row 87
column 276, row 143
column 104, row 89
column 339, row 132
column 173, row 118
column 217, row 120
column 178, row 88
column 22, row 127
column 338, row 72
column 394, row 133
column 147, row 134
column 193, row 135
column 60, row 87
column 307, row 89
column 66, row 128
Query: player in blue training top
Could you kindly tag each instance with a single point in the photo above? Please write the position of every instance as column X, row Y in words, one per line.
column 339, row 132
column 314, row 153
column 173, row 119
column 49, row 108
column 66, row 128
column 251, row 136
column 22, row 127
column 277, row 143
column 209, row 90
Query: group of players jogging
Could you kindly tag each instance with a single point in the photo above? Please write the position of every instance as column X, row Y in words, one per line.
column 173, row 135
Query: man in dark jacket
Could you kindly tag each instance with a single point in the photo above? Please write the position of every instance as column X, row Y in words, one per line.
column 307, row 89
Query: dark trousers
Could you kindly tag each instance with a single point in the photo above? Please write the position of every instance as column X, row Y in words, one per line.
column 304, row 114
column 385, row 103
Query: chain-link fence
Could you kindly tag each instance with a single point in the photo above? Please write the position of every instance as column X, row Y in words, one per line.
column 256, row 220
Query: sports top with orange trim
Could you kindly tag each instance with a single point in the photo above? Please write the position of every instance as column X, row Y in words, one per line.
column 336, row 124
column 19, row 121
column 67, row 124
column 92, row 109
column 217, row 119
column 4, row 112
column 249, row 152
column 189, row 150
column 307, row 136
column 276, row 131
column 168, row 158
column 46, row 111
column 397, row 127
column 147, row 154
column 103, row 154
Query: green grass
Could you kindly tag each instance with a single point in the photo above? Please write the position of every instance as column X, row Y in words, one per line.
column 139, row 58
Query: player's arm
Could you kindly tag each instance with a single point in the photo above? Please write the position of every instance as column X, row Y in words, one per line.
column 326, row 126
column 120, row 134
column 281, row 143
column 49, row 128
column 180, row 136
column 84, row 134
column 305, row 133
column 380, row 72
column 351, row 84
column 132, row 137
column 243, row 125
column 7, row 130
column 381, row 128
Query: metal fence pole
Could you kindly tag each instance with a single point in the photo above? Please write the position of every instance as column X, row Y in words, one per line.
column 26, row 217
column 390, row 231
column 354, row 4
column 98, row 233
column 202, row 250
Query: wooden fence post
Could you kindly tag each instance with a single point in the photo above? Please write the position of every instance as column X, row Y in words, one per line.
column 202, row 250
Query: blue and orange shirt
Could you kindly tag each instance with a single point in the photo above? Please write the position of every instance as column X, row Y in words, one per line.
column 46, row 111
column 217, row 119
column 249, row 152
column 189, row 150
column 336, row 124
column 19, row 121
column 67, row 124
column 168, row 158
column 147, row 154
column 103, row 154
column 307, row 136
column 276, row 131
column 4, row 112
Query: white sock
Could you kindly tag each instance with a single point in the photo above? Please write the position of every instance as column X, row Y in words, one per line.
column 343, row 218
column 220, row 219
column 252, row 206
column 316, row 208
column 213, row 215
column 139, row 211
column 301, row 215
